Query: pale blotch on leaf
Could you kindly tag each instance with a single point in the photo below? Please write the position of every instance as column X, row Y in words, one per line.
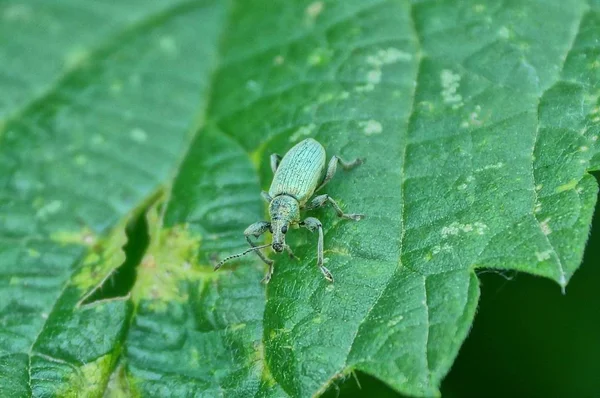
column 238, row 326
column 18, row 12
column 100, row 262
column 542, row 256
column 80, row 160
column 116, row 87
column 438, row 249
column 98, row 139
column 258, row 360
column 168, row 45
column 319, row 56
column 84, row 237
column 303, row 131
column 479, row 8
column 450, row 83
column 162, row 271
column 384, row 57
column 89, row 380
column 314, row 10
column 493, row 166
column 253, row 86
column 138, row 135
column 567, row 187
column 278, row 60
column 325, row 98
column 49, row 209
column 76, row 57
column 388, row 56
column 473, row 119
column 504, row 32
column 394, row 321
column 364, row 88
column 371, row 127
column 374, row 76
column 545, row 226
column 456, row 228
column 537, row 208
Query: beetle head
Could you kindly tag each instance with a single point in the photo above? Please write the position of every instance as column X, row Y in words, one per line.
column 284, row 211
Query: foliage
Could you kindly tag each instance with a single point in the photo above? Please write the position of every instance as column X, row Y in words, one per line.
column 479, row 122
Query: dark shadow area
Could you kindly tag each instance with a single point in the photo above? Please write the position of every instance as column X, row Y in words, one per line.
column 120, row 283
column 528, row 339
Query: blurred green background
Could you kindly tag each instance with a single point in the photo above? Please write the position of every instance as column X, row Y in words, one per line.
column 528, row 340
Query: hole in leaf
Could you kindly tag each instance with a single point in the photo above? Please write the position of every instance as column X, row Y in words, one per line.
column 120, row 283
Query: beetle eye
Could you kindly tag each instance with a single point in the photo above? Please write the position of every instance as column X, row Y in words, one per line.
column 284, row 229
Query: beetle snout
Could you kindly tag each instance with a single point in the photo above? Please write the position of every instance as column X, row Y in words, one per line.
column 278, row 247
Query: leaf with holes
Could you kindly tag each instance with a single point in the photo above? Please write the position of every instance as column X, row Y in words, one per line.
column 479, row 123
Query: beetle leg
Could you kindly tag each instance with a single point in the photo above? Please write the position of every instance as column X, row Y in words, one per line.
column 265, row 195
column 313, row 224
column 256, row 230
column 275, row 159
column 332, row 167
column 322, row 200
column 290, row 252
column 267, row 277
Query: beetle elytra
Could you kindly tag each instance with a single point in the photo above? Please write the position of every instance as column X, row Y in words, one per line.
column 297, row 176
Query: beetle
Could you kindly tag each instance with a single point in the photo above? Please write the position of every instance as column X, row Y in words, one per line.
column 297, row 177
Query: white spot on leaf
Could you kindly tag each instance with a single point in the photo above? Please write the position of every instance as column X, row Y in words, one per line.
column 503, row 32
column 371, row 127
column 138, row 135
column 455, row 228
column 545, row 226
column 450, row 84
column 252, row 85
column 314, row 9
column 384, row 57
column 374, row 76
column 542, row 256
column 493, row 166
column 388, row 56
column 443, row 248
column 50, row 208
column 168, row 45
column 364, row 88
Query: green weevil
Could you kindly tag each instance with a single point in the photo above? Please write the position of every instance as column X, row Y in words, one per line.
column 297, row 176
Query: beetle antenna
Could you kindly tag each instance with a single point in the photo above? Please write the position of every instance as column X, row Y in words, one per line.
column 240, row 255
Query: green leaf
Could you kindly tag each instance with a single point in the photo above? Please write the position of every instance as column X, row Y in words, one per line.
column 479, row 122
